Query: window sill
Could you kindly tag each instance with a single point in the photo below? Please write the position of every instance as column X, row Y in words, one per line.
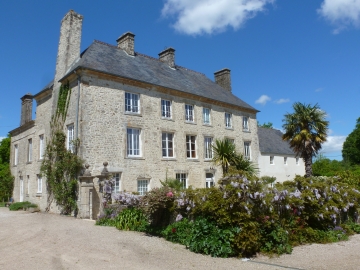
column 167, row 119
column 29, row 162
column 134, row 114
column 168, row 159
column 207, row 125
column 38, row 194
column 229, row 128
column 193, row 160
column 208, row 160
column 190, row 122
column 246, row 131
column 40, row 159
column 138, row 158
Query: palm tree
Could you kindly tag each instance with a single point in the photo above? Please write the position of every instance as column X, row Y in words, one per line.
column 305, row 129
column 224, row 154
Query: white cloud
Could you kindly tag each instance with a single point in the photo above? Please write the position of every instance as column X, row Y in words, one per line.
column 319, row 89
column 341, row 13
column 208, row 16
column 282, row 100
column 333, row 144
column 263, row 99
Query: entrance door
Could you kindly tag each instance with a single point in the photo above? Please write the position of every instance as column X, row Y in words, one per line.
column 209, row 180
column 21, row 189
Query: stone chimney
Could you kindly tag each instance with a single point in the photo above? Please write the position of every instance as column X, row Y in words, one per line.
column 126, row 42
column 26, row 109
column 168, row 56
column 68, row 50
column 222, row 78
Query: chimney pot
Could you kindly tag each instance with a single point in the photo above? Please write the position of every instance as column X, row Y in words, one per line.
column 168, row 56
column 126, row 42
column 222, row 78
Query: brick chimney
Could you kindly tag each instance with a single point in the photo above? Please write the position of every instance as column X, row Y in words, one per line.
column 168, row 56
column 126, row 42
column 222, row 78
column 26, row 108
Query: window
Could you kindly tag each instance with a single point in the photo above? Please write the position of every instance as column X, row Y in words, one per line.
column 297, row 161
column 142, row 186
column 132, row 103
column 190, row 146
column 208, row 147
column 182, row 177
column 41, row 146
column 116, row 187
column 165, row 108
column 247, row 152
column 206, row 116
column 285, row 160
column 189, row 113
column 228, row 120
column 29, row 150
column 167, row 145
column 209, row 180
column 28, row 184
column 231, row 140
column 272, row 160
column 39, row 184
column 133, row 142
column 245, row 123
column 70, row 138
column 16, row 154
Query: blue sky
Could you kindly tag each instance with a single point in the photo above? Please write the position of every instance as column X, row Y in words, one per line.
column 279, row 51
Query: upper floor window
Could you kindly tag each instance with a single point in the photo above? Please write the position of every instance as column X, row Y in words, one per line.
column 182, row 177
column 285, row 160
column 41, row 146
column 247, row 150
column 70, row 138
column 165, row 108
column 16, row 154
column 190, row 146
column 132, row 103
column 245, row 123
column 208, row 147
column 272, row 160
column 206, row 116
column 189, row 113
column 228, row 120
column 143, row 186
column 133, row 142
column 29, row 150
column 167, row 145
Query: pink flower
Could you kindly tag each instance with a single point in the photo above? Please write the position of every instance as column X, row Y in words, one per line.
column 169, row 194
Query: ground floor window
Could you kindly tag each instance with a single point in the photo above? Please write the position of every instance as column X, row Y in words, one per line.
column 39, row 184
column 142, row 186
column 116, row 187
column 209, row 180
column 182, row 177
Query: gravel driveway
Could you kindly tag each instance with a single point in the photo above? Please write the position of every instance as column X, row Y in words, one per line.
column 48, row 241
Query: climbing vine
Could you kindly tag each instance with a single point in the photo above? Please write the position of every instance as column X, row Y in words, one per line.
column 61, row 166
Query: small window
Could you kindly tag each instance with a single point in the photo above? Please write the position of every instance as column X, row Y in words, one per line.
column 245, row 123
column 189, row 113
column 285, row 160
column 28, row 184
column 133, row 142
column 16, row 154
column 208, row 147
column 209, row 180
column 166, row 109
column 206, row 116
column 272, row 160
column 297, row 161
column 247, row 150
column 182, row 177
column 142, row 186
column 132, row 103
column 116, row 178
column 41, row 146
column 231, row 140
column 29, row 150
column 70, row 138
column 167, row 145
column 39, row 184
column 190, row 146
column 228, row 120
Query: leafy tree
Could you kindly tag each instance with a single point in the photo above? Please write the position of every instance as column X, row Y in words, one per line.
column 5, row 150
column 6, row 179
column 351, row 146
column 266, row 125
column 305, row 129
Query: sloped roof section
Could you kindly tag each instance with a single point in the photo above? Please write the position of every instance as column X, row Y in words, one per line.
column 271, row 142
column 109, row 59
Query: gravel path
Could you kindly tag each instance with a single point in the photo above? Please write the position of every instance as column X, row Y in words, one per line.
column 48, row 241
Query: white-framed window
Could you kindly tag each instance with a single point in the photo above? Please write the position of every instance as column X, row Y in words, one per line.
column 191, row 146
column 245, row 123
column 206, row 116
column 272, row 160
column 285, row 160
column 39, row 183
column 209, row 182
column 247, row 150
column 166, row 108
column 189, row 113
column 116, row 187
column 29, row 150
column 228, row 120
column 70, row 138
column 182, row 177
column 142, row 186
column 208, row 147
column 41, row 146
column 167, row 145
column 132, row 103
column 16, row 154
column 27, row 184
column 133, row 142
column 297, row 161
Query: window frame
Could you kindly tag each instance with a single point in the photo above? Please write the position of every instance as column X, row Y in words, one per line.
column 191, row 147
column 30, row 150
column 130, row 100
column 16, row 154
column 297, row 161
column 206, row 116
column 211, row 182
column 131, row 148
column 208, row 150
column 70, row 138
column 183, row 178
column 117, row 182
column 142, row 189
column 166, row 109
column 285, row 161
column 228, row 120
column 247, row 146
column 246, row 123
column 39, row 183
column 166, row 147
column 41, row 146
column 272, row 160
column 189, row 113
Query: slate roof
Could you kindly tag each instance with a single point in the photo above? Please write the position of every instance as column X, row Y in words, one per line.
column 270, row 142
column 109, row 59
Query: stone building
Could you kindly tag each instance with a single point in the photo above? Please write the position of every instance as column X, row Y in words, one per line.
column 149, row 118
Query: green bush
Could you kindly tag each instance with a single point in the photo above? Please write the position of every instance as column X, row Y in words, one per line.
column 21, row 205
column 131, row 219
column 178, row 232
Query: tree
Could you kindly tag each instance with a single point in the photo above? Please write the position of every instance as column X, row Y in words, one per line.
column 305, row 129
column 266, row 125
column 351, row 146
column 6, row 179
